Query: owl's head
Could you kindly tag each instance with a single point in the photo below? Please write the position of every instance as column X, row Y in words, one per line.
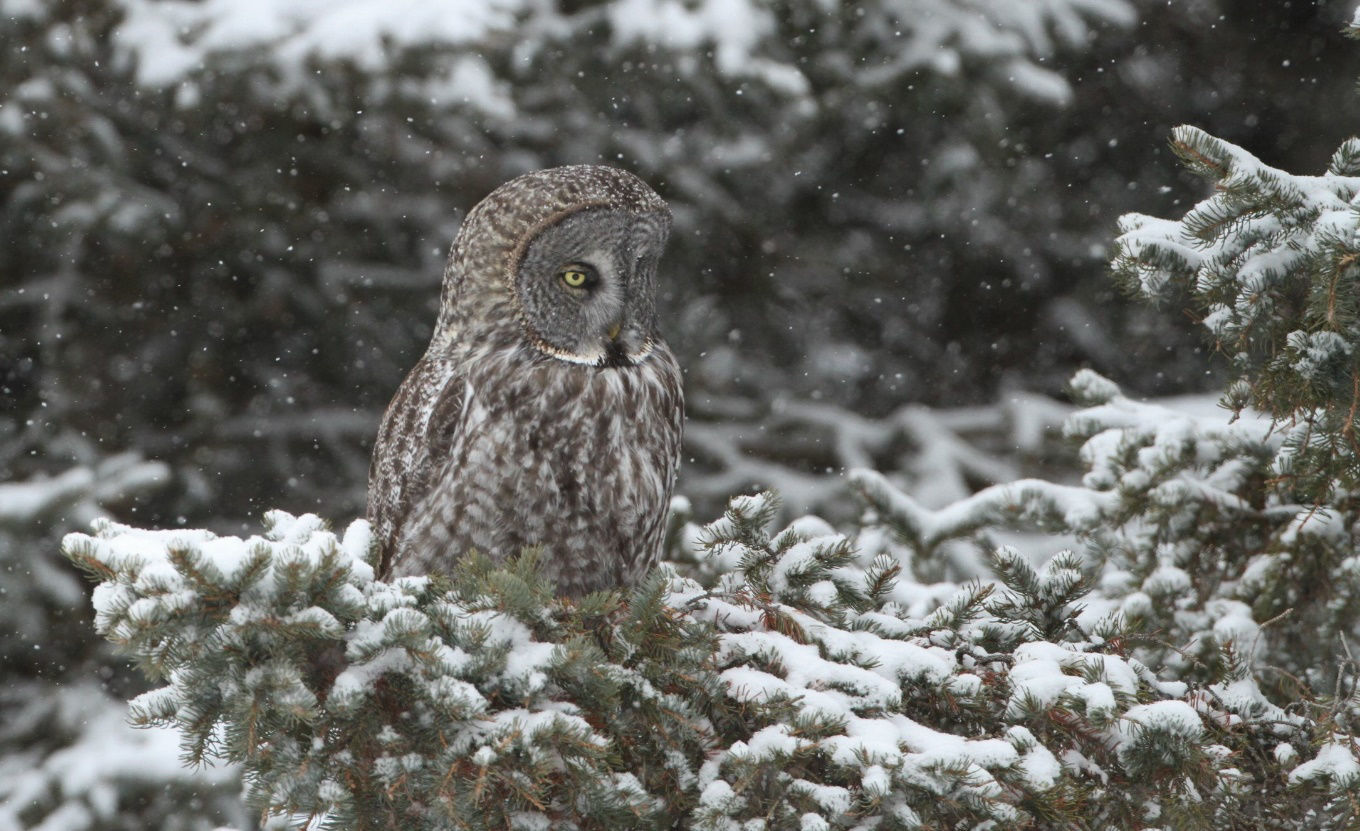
column 568, row 256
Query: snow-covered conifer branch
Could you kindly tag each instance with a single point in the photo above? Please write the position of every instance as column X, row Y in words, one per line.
column 796, row 688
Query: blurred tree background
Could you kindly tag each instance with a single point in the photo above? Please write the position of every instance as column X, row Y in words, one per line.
column 224, row 223
column 225, row 230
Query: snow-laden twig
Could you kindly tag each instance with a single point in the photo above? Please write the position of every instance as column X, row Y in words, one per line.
column 805, row 449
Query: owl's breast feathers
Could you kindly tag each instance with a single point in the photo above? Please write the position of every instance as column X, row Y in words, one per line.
column 513, row 450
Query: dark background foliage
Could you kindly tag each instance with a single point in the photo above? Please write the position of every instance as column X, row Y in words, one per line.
column 232, row 274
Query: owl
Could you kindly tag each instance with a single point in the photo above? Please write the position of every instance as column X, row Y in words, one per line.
column 547, row 410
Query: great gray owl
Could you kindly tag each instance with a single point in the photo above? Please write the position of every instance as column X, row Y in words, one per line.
column 547, row 410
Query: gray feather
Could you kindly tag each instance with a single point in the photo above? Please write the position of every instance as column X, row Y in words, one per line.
column 540, row 415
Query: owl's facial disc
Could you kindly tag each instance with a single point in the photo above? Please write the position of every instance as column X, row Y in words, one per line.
column 587, row 286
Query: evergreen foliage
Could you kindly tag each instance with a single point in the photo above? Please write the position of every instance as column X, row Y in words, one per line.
column 250, row 204
column 1185, row 665
column 1270, row 262
column 68, row 759
column 795, row 691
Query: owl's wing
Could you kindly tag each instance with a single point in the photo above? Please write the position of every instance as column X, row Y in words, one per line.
column 413, row 444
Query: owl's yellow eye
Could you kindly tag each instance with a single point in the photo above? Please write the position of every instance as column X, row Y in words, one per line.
column 576, row 276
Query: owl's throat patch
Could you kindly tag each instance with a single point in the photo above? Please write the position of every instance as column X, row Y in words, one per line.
column 615, row 356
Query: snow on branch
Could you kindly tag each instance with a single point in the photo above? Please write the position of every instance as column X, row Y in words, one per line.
column 1273, row 264
column 1250, row 509
column 79, row 490
column 794, row 445
column 794, row 689
column 169, row 40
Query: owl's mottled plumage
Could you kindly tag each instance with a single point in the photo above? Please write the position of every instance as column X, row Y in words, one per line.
column 541, row 414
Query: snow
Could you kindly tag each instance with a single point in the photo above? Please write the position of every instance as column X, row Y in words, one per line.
column 1176, row 718
column 965, row 683
column 800, row 558
column 1233, row 622
column 1285, row 753
column 1037, row 678
column 1038, row 764
column 856, row 675
column 1030, row 498
column 944, row 463
column 22, row 8
column 20, row 501
column 882, row 745
column 1098, row 698
column 484, row 756
column 752, row 505
column 1240, row 698
column 79, row 490
column 1316, row 351
column 812, row 822
column 470, row 80
column 719, row 796
column 733, row 28
column 527, row 658
column 292, row 530
column 89, row 773
column 169, row 39
column 1320, row 523
column 1166, row 580
column 1039, row 83
column 1335, row 759
column 824, row 682
column 155, row 587
column 876, row 781
column 525, row 821
column 773, row 740
column 848, row 676
column 356, row 681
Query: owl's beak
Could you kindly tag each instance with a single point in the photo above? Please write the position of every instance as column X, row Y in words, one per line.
column 615, row 330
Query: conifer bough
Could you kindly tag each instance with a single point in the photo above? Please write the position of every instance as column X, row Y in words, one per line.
column 1186, row 666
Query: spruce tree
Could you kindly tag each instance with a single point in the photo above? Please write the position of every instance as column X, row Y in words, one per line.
column 215, row 215
column 1185, row 665
column 68, row 758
